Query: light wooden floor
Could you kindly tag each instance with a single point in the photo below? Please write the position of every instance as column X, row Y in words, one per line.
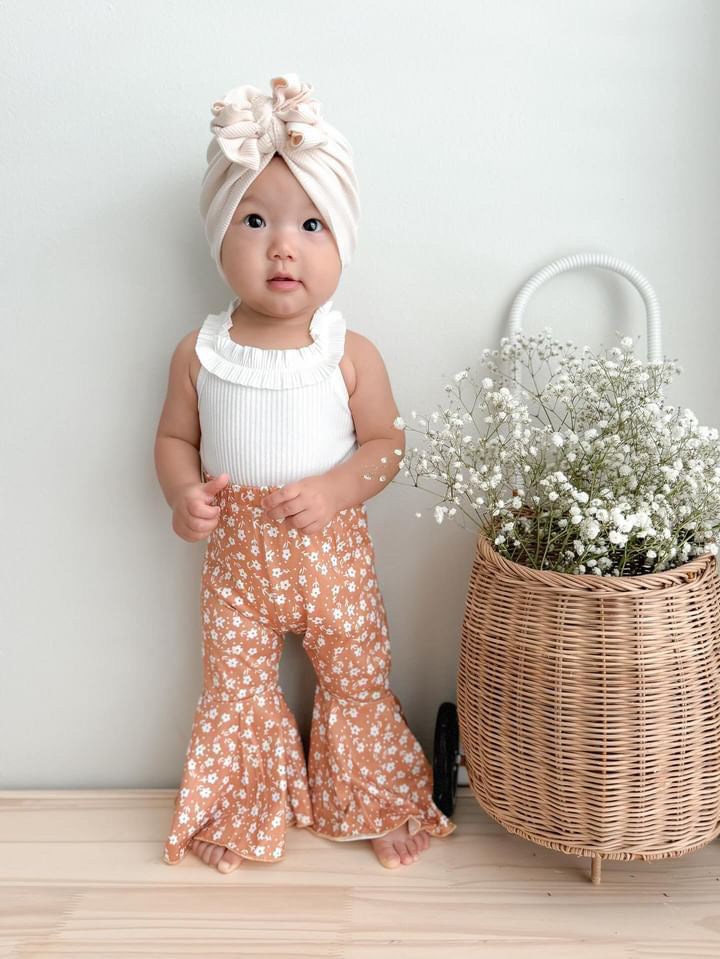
column 81, row 876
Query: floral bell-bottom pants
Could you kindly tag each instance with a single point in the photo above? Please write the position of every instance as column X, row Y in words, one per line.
column 245, row 778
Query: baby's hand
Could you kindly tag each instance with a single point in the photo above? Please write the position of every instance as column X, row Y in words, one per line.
column 194, row 516
column 307, row 504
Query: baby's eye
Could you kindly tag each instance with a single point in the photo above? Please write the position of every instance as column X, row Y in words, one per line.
column 255, row 216
column 314, row 219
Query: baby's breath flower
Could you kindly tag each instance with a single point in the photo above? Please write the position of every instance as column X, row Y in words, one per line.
column 615, row 481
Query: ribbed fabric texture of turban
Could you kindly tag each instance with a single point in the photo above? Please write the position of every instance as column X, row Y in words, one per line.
column 248, row 129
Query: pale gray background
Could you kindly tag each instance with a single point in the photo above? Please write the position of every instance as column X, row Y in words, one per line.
column 490, row 138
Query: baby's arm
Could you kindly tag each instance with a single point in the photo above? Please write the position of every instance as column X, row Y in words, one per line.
column 373, row 408
column 177, row 441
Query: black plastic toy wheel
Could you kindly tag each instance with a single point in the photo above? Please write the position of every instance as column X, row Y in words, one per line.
column 446, row 758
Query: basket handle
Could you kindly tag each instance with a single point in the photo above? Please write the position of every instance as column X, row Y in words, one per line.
column 606, row 262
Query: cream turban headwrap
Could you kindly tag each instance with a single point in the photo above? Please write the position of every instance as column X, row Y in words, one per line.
column 248, row 129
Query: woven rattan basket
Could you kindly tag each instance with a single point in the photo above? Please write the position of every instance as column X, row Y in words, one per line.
column 589, row 707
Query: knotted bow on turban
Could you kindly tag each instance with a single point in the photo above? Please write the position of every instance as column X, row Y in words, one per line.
column 248, row 129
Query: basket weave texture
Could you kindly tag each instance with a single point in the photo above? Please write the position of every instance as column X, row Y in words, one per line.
column 589, row 707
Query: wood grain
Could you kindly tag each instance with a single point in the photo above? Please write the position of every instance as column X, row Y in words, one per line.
column 81, row 876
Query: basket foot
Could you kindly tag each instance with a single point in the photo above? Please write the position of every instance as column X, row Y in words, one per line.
column 595, row 869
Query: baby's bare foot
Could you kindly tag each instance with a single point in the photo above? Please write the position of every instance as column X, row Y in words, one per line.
column 222, row 857
column 398, row 847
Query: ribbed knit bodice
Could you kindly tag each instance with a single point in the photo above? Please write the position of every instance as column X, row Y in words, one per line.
column 268, row 417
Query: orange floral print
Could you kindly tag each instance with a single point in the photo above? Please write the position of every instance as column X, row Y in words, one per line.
column 245, row 778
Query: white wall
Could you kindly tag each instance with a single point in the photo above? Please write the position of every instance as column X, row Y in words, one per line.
column 490, row 138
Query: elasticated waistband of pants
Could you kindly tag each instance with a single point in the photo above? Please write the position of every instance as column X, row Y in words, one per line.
column 248, row 492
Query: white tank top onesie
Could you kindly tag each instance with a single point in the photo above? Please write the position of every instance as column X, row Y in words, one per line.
column 270, row 417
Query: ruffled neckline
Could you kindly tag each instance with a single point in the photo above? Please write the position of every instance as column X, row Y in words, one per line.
column 271, row 368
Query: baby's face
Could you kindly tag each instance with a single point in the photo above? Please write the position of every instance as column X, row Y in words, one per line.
column 277, row 228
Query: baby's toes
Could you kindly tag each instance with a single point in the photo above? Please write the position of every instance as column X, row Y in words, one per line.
column 421, row 840
column 385, row 852
column 402, row 851
column 209, row 852
column 413, row 847
column 229, row 862
column 216, row 854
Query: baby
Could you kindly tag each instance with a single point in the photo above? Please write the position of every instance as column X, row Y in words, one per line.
column 276, row 428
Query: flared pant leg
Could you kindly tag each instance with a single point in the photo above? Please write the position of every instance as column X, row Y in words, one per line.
column 366, row 770
column 244, row 779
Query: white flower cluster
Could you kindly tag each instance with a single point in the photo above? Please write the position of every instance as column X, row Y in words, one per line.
column 587, row 470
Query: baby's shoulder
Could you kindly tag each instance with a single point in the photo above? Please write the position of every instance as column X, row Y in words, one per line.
column 361, row 354
column 360, row 349
column 367, row 362
column 185, row 352
column 349, row 361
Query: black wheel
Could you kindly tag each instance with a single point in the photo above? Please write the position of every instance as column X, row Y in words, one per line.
column 446, row 758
